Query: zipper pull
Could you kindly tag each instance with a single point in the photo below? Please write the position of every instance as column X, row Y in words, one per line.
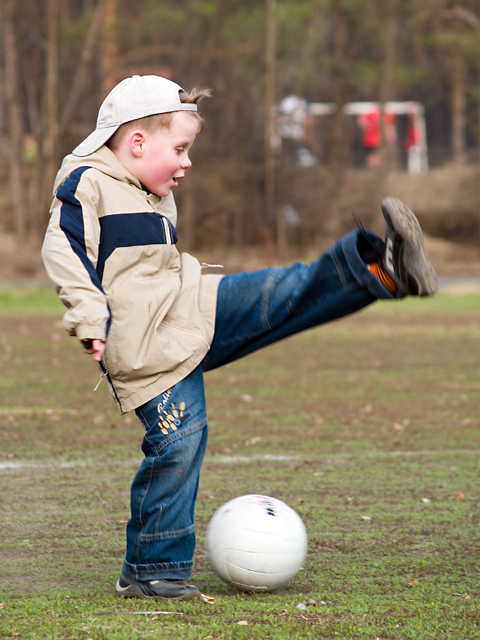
column 102, row 376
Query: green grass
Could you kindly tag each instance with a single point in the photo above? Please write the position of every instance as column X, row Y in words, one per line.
column 373, row 417
column 29, row 300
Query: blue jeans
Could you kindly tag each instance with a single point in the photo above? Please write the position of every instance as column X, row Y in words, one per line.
column 254, row 309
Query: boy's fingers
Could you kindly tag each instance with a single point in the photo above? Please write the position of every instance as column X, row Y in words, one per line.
column 98, row 350
column 95, row 347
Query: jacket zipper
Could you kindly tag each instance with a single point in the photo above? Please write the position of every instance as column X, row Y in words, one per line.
column 168, row 234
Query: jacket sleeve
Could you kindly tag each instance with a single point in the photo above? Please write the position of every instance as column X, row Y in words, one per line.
column 70, row 253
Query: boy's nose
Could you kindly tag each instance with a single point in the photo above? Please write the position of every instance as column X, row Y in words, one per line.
column 187, row 163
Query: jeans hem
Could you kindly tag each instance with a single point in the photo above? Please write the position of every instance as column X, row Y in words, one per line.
column 158, row 571
column 359, row 268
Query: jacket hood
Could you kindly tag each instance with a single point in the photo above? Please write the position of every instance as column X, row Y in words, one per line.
column 104, row 160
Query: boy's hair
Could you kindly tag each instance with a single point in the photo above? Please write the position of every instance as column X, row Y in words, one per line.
column 160, row 120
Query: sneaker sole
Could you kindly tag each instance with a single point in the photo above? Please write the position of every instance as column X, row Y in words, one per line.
column 400, row 218
column 132, row 591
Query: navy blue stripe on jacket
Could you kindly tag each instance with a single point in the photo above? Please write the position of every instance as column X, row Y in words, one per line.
column 132, row 230
column 71, row 222
column 72, row 225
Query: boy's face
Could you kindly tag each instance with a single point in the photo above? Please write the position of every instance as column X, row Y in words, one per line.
column 163, row 154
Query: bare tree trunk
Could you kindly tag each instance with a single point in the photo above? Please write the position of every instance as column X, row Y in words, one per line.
column 300, row 67
column 51, row 136
column 31, row 184
column 337, row 162
column 50, row 140
column 269, row 157
column 213, row 37
column 457, row 73
column 109, row 52
column 86, row 56
column 386, row 86
column 58, row 119
column 35, row 128
column 15, row 126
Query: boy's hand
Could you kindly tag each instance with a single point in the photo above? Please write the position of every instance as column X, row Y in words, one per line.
column 97, row 347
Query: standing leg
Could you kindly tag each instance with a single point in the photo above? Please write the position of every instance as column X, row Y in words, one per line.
column 161, row 532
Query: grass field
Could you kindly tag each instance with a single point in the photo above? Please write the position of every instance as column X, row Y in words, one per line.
column 367, row 427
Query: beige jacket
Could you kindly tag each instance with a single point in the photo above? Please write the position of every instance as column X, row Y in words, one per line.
column 110, row 250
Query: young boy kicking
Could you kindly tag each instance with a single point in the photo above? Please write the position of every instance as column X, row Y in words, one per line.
column 155, row 324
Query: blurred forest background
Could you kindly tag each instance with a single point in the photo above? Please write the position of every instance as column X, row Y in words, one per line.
column 250, row 191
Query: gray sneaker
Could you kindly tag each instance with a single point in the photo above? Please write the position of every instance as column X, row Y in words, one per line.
column 156, row 589
column 405, row 258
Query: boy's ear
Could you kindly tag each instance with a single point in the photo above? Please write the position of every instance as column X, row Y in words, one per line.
column 136, row 143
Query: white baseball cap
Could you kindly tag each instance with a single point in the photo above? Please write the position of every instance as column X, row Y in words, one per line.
column 133, row 98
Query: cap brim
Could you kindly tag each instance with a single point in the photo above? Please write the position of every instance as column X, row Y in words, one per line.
column 94, row 141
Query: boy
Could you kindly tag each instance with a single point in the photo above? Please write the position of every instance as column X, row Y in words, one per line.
column 154, row 323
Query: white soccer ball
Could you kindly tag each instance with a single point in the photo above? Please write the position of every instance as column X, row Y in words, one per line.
column 256, row 543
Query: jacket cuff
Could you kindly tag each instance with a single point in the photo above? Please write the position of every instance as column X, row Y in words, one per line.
column 86, row 331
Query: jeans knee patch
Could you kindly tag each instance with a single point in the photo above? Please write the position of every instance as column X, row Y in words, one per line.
column 175, row 453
